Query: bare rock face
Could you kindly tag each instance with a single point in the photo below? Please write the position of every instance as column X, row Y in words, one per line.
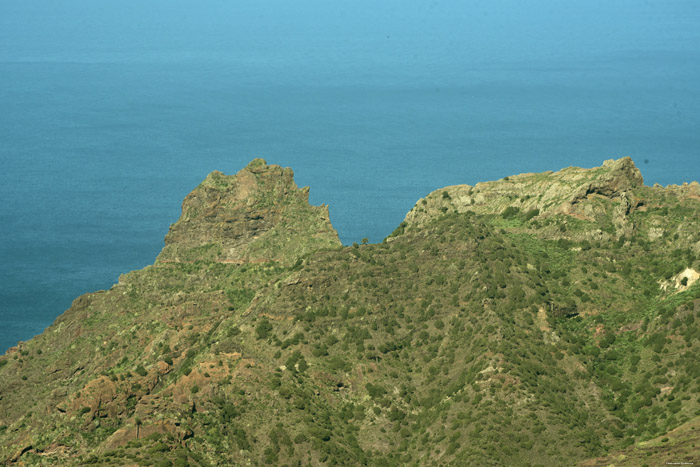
column 613, row 178
column 257, row 215
column 573, row 191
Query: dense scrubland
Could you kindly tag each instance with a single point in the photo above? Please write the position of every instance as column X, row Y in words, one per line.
column 542, row 319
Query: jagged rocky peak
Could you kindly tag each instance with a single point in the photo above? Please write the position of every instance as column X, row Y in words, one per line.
column 256, row 215
column 620, row 174
column 566, row 191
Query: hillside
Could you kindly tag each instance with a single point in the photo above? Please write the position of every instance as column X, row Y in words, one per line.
column 542, row 319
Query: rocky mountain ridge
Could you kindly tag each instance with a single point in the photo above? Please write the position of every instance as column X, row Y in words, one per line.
column 539, row 319
column 573, row 191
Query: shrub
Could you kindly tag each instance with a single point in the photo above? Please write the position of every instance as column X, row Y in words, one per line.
column 509, row 212
column 532, row 213
column 337, row 363
column 240, row 298
column 160, row 447
column 262, row 330
column 375, row 391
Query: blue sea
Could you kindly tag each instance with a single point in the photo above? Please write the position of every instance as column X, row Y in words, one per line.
column 111, row 112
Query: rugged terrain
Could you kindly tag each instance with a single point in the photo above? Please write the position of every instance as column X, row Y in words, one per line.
column 542, row 319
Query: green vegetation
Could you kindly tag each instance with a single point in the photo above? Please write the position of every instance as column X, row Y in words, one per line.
column 510, row 333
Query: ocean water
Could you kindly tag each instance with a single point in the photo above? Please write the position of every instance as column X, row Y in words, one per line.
column 111, row 112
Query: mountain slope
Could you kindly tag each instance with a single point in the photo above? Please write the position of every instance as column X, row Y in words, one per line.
column 543, row 319
column 680, row 446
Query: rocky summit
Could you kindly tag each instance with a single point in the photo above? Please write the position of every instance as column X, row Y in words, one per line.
column 541, row 319
column 257, row 215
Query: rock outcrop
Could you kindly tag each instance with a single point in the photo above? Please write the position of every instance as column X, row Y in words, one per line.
column 571, row 191
column 257, row 215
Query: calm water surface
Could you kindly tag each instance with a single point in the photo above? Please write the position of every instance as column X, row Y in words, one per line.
column 111, row 114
